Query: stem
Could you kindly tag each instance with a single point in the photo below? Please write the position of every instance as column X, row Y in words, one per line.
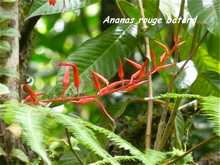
column 169, row 126
column 162, row 122
column 150, row 84
column 71, row 147
column 192, row 149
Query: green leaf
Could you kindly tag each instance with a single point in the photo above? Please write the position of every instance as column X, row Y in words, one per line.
column 151, row 157
column 19, row 154
column 8, row 32
column 4, row 90
column 179, row 128
column 118, row 158
column 150, row 9
column 83, row 135
column 211, row 109
column 208, row 13
column 130, row 9
column 5, row 46
column 31, row 121
column 209, row 72
column 7, row 72
column 101, row 54
column 42, row 7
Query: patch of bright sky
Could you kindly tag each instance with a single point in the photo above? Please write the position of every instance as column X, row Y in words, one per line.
column 92, row 10
column 68, row 44
column 41, row 26
column 68, row 16
column 59, row 26
column 207, row 3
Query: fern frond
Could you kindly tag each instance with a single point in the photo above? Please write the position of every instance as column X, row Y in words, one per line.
column 176, row 95
column 154, row 157
column 83, row 135
column 31, row 122
column 211, row 109
column 118, row 158
column 145, row 159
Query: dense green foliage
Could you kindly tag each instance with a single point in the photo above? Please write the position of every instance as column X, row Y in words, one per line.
column 186, row 101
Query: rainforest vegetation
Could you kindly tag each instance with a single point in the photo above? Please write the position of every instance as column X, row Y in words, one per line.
column 97, row 82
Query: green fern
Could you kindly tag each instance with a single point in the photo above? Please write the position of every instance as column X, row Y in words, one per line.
column 176, row 95
column 147, row 158
column 31, row 122
column 211, row 109
column 83, row 135
column 118, row 158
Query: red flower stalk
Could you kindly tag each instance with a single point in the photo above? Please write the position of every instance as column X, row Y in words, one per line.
column 84, row 100
column 52, row 2
column 96, row 81
column 32, row 95
column 76, row 77
column 153, row 58
column 120, row 71
column 140, row 74
column 136, row 65
column 100, row 77
column 66, row 79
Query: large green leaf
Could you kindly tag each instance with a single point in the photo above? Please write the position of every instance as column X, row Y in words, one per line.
column 42, row 7
column 209, row 73
column 208, row 13
column 211, row 109
column 101, row 54
column 150, row 9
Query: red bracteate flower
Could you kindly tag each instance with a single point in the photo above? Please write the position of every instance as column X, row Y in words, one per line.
column 102, row 85
column 52, row 2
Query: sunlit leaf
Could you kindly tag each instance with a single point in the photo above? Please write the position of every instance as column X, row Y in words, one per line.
column 42, row 7
column 101, row 54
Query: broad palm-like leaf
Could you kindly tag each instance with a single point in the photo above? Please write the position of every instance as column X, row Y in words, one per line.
column 42, row 7
column 208, row 13
column 101, row 54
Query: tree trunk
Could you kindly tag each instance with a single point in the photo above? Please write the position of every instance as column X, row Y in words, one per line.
column 9, row 63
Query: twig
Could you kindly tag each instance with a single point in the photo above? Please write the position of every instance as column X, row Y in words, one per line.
column 71, row 147
column 191, row 149
column 150, row 84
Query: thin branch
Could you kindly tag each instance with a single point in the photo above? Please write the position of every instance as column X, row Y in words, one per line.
column 192, row 149
column 71, row 147
column 150, row 84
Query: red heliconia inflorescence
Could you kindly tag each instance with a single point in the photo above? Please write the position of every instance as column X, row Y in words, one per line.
column 76, row 77
column 102, row 84
column 120, row 71
column 52, row 2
